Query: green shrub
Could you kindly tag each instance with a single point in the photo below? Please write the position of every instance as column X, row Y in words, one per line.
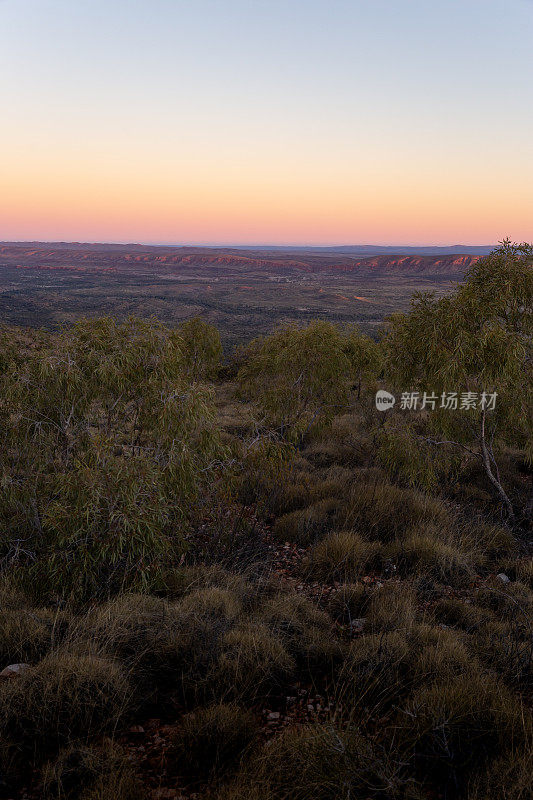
column 106, row 444
column 299, row 377
column 266, row 464
column 201, row 349
column 488, row 318
column 409, row 459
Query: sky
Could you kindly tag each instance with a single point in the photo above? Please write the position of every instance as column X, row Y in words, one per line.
column 266, row 121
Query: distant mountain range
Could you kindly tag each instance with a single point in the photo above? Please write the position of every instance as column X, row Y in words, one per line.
column 377, row 249
column 361, row 260
column 355, row 249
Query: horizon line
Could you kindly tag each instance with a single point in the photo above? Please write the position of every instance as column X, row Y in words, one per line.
column 250, row 245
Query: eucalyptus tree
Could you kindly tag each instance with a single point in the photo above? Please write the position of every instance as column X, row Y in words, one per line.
column 105, row 442
column 201, row 349
column 476, row 344
column 300, row 377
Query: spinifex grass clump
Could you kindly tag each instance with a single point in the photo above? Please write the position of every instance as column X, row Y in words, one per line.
column 212, row 740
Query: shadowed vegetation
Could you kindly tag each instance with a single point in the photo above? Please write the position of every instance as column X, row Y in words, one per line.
column 242, row 580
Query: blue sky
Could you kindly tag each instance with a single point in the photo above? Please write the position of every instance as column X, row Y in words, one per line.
column 301, row 120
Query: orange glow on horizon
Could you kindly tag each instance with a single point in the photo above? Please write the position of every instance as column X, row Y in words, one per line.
column 234, row 203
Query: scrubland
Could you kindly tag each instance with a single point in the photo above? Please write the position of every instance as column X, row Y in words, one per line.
column 237, row 578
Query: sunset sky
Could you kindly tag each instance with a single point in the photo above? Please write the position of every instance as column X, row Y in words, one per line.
column 266, row 121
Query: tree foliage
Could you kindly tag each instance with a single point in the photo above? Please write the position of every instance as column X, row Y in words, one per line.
column 201, row 349
column 301, row 377
column 105, row 440
column 478, row 339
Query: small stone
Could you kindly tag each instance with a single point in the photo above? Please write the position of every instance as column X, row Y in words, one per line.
column 357, row 625
column 136, row 729
column 503, row 578
column 13, row 670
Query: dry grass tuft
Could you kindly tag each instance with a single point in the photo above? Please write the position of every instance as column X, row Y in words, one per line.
column 349, row 602
column 213, row 602
column 524, row 571
column 252, row 660
column 181, row 581
column 376, row 673
column 393, row 607
column 506, row 599
column 343, row 556
column 306, row 631
column 27, row 634
column 385, row 512
column 306, row 526
column 506, row 778
column 321, row 762
column 382, row 668
column 64, row 697
column 506, row 647
column 425, row 554
column 460, row 614
column 459, row 723
column 439, row 654
column 89, row 772
column 211, row 741
column 168, row 648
